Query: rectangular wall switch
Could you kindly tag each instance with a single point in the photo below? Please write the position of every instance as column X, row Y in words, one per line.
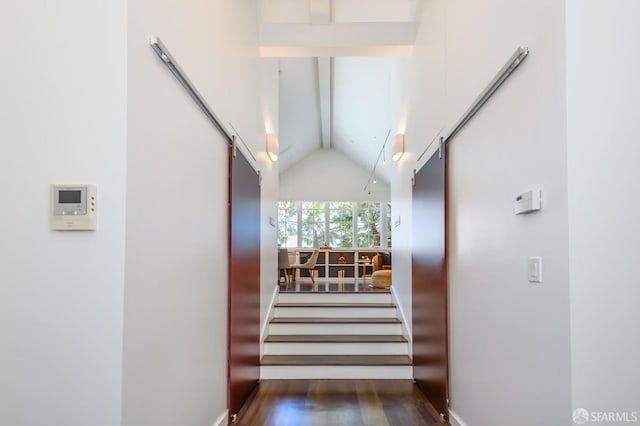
column 535, row 269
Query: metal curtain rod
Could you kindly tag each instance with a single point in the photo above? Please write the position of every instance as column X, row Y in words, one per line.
column 504, row 73
column 162, row 51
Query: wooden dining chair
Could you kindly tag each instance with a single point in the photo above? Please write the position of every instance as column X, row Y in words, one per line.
column 309, row 265
column 284, row 266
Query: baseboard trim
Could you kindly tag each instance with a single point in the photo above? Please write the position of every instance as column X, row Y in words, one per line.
column 268, row 318
column 403, row 318
column 455, row 419
column 222, row 420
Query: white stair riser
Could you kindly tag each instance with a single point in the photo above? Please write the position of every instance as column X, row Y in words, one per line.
column 314, row 328
column 351, row 348
column 291, row 372
column 335, row 312
column 334, row 298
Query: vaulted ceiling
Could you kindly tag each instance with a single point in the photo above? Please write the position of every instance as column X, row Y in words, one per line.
column 336, row 69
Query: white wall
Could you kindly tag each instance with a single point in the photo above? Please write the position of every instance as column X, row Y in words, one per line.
column 417, row 93
column 269, row 191
column 63, row 109
column 175, row 321
column 328, row 175
column 509, row 339
column 603, row 64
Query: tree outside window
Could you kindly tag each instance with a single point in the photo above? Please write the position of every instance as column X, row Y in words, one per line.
column 388, row 224
column 288, row 223
column 368, row 224
column 341, row 224
column 313, row 219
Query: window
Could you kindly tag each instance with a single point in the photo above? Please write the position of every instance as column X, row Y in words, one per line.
column 337, row 223
column 313, row 219
column 387, row 222
column 341, row 224
column 368, row 224
column 288, row 224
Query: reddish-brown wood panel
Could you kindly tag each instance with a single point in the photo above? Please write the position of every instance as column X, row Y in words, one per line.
column 244, row 281
column 429, row 283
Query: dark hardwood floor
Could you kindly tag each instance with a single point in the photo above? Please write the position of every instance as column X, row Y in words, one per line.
column 337, row 403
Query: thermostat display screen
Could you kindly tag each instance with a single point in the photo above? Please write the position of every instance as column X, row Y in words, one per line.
column 73, row 207
column 69, row 197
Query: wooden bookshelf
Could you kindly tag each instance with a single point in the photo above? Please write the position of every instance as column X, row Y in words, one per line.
column 329, row 266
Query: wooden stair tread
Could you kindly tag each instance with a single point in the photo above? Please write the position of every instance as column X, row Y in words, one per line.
column 335, row 305
column 333, row 338
column 284, row 320
column 383, row 360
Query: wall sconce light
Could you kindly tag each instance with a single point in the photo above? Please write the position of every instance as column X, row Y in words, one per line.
column 273, row 147
column 397, row 147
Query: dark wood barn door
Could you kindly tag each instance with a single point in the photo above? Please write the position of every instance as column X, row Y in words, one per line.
column 244, row 281
column 429, row 283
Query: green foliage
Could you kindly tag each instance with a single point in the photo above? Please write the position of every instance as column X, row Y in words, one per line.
column 368, row 224
column 312, row 220
column 341, row 224
column 388, row 225
column 340, row 215
column 287, row 223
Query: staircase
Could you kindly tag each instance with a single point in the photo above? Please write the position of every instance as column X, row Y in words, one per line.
column 335, row 336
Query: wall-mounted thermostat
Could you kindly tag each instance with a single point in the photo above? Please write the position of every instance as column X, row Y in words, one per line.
column 528, row 202
column 74, row 208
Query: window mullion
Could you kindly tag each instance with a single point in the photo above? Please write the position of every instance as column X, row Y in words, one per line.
column 327, row 218
column 299, row 210
column 354, row 210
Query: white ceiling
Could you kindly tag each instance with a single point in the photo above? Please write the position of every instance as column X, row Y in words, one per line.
column 341, row 99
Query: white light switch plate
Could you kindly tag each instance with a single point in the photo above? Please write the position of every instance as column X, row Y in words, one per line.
column 535, row 269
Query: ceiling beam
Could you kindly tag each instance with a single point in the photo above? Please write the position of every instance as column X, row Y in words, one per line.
column 325, row 80
column 305, row 52
column 413, row 10
column 320, row 12
column 337, row 39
